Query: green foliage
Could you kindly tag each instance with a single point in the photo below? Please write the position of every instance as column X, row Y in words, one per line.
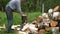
column 51, row 4
column 30, row 5
column 33, row 5
column 3, row 3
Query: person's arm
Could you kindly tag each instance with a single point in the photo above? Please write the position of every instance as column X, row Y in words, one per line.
column 18, row 7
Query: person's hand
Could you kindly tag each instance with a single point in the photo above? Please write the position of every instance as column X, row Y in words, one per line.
column 23, row 15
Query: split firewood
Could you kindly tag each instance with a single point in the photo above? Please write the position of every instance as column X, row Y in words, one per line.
column 53, row 23
column 41, row 31
column 2, row 27
column 21, row 32
column 15, row 27
column 56, row 8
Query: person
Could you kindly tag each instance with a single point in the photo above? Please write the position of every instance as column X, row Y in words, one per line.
column 10, row 7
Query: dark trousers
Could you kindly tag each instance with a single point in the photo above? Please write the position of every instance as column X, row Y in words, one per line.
column 9, row 15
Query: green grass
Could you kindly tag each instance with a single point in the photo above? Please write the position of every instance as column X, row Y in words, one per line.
column 17, row 18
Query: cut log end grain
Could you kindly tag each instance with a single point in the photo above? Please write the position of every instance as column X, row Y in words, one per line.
column 56, row 8
column 53, row 24
column 41, row 31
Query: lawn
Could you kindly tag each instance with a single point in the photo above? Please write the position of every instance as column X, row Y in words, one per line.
column 16, row 19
